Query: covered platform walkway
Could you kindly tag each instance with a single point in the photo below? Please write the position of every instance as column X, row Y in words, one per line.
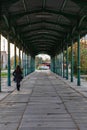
column 45, row 102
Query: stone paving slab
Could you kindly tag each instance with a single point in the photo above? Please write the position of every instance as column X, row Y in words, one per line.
column 45, row 102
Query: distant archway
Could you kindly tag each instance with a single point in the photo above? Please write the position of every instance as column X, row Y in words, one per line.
column 42, row 62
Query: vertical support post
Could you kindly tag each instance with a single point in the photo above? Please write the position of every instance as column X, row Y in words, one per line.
column 67, row 61
column 19, row 57
column 54, row 64
column 72, row 54
column 78, row 63
column 63, row 64
column 0, row 62
column 25, row 64
column 22, row 59
column 15, row 56
column 9, row 77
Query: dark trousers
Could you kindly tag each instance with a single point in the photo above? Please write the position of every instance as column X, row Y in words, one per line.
column 18, row 86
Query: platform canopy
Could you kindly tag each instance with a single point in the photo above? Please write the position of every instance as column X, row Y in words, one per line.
column 43, row 26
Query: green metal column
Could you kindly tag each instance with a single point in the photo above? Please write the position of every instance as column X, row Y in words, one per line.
column 25, row 64
column 63, row 65
column 51, row 64
column 19, row 57
column 78, row 63
column 29, row 63
column 9, row 67
column 0, row 62
column 22, row 59
column 54, row 64
column 72, row 61
column 67, row 61
column 15, row 63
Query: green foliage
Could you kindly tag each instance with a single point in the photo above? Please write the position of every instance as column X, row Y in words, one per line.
column 83, row 57
column 12, row 60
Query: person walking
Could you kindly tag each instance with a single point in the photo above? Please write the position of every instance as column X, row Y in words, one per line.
column 18, row 76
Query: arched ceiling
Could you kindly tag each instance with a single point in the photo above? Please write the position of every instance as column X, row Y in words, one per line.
column 43, row 26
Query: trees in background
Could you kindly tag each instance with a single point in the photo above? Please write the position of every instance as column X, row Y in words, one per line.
column 83, row 57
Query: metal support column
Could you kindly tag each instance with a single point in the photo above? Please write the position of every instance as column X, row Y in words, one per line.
column 63, row 65
column 54, row 64
column 19, row 57
column 22, row 59
column 15, row 63
column 24, row 64
column 67, row 61
column 9, row 67
column 0, row 62
column 72, row 54
column 78, row 63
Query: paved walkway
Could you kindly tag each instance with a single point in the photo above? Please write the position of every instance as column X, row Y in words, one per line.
column 45, row 102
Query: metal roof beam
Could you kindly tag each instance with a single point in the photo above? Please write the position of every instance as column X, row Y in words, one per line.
column 62, row 25
column 43, row 29
column 57, row 12
column 42, row 34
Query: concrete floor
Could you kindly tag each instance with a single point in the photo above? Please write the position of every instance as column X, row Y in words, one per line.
column 45, row 102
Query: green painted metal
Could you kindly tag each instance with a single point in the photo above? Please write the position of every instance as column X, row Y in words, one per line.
column 46, row 29
column 81, row 20
column 72, row 54
column 38, row 43
column 32, row 64
column 57, row 12
column 19, row 57
column 78, row 59
column 64, row 3
column 41, row 37
column 0, row 62
column 47, row 34
column 54, row 65
column 23, row 60
column 9, row 2
column 6, row 21
column 67, row 61
column 44, row 4
column 26, row 64
column 15, row 63
column 42, row 40
column 29, row 64
column 44, row 21
column 9, row 66
column 63, row 65
column 82, row 3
